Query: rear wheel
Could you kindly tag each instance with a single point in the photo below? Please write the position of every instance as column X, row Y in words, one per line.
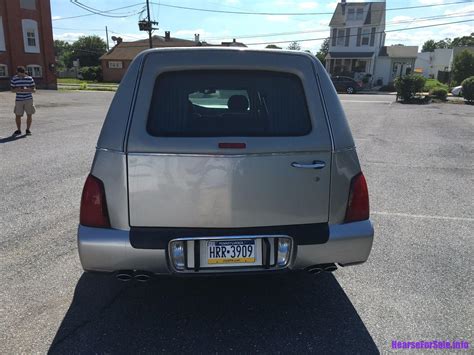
column 350, row 90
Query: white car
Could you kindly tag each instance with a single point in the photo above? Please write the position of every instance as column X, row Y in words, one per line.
column 457, row 91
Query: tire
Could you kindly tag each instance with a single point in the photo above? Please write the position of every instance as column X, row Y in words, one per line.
column 350, row 90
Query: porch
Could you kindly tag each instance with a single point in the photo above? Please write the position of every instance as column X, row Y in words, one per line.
column 354, row 65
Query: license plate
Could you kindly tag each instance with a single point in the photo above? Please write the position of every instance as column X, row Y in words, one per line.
column 241, row 251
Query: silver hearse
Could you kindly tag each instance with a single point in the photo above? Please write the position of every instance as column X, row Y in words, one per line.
column 215, row 160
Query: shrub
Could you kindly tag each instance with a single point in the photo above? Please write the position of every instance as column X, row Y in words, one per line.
column 91, row 73
column 468, row 89
column 439, row 93
column 431, row 84
column 409, row 85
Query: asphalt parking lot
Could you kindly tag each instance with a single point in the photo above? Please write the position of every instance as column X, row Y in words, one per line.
column 417, row 284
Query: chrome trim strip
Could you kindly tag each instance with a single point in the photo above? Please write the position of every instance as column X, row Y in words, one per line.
column 225, row 155
column 326, row 114
column 108, row 150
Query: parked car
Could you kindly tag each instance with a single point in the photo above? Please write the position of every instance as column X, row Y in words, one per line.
column 457, row 90
column 224, row 160
column 346, row 84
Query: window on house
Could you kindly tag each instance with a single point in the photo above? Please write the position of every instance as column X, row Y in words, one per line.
column 34, row 71
column 365, row 36
column 3, row 71
column 340, row 37
column 115, row 65
column 360, row 65
column 30, row 36
column 28, row 4
column 351, row 14
column 359, row 13
column 2, row 36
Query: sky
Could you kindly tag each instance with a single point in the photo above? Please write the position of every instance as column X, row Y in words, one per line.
column 218, row 27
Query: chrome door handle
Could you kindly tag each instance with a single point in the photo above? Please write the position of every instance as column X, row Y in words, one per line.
column 317, row 164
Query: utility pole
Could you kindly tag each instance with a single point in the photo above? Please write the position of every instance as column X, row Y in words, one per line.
column 147, row 25
column 107, row 37
column 149, row 22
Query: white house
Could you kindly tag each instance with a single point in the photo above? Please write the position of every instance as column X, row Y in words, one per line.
column 357, row 35
column 429, row 64
column 357, row 45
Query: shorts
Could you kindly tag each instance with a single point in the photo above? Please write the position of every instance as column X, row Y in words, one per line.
column 24, row 106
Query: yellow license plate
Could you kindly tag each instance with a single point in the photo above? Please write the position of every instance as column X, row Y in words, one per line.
column 240, row 251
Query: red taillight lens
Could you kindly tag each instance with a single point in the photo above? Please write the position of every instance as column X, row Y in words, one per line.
column 358, row 202
column 93, row 204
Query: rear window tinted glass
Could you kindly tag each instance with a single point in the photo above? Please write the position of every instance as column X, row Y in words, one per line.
column 228, row 103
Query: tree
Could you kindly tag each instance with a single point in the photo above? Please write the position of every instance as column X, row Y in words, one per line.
column 294, row 46
column 272, row 46
column 88, row 49
column 323, row 51
column 62, row 51
column 463, row 66
column 444, row 43
column 429, row 46
column 463, row 41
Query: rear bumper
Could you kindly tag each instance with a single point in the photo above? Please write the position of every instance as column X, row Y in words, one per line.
column 109, row 250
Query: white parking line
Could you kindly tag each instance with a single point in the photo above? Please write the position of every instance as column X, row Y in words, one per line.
column 372, row 101
column 409, row 215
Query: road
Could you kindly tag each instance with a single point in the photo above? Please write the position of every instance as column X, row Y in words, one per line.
column 417, row 284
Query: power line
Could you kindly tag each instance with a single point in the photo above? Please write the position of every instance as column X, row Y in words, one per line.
column 273, row 34
column 299, row 13
column 100, row 12
column 104, row 11
column 394, row 30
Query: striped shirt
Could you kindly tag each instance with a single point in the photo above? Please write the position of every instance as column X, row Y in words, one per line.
column 22, row 82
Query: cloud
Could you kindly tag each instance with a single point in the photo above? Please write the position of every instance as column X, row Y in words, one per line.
column 402, row 19
column 431, row 2
column 232, row 2
column 308, row 5
column 69, row 36
column 332, row 5
column 460, row 10
column 278, row 18
column 56, row 17
column 283, row 3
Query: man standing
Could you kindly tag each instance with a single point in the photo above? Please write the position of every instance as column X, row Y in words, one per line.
column 23, row 85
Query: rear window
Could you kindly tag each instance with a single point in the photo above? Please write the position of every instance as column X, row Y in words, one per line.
column 228, row 103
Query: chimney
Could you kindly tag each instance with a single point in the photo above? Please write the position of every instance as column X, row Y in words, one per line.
column 196, row 38
column 167, row 36
column 343, row 5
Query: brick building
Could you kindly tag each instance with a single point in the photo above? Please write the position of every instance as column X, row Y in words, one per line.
column 116, row 61
column 26, row 38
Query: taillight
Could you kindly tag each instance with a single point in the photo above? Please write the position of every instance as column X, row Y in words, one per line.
column 93, row 204
column 358, row 202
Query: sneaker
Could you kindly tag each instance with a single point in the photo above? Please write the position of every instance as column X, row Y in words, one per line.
column 17, row 132
column 28, row 132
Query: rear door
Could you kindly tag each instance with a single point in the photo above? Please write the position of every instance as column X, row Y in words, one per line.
column 230, row 148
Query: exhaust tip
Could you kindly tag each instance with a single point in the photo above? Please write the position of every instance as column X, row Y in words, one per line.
column 315, row 269
column 330, row 268
column 142, row 277
column 124, row 276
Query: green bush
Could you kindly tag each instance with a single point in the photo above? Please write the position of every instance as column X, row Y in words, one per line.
column 431, row 84
column 439, row 93
column 91, row 73
column 468, row 89
column 407, row 86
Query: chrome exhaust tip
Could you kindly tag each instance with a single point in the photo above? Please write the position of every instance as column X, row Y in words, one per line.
column 124, row 276
column 330, row 267
column 142, row 277
column 315, row 269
